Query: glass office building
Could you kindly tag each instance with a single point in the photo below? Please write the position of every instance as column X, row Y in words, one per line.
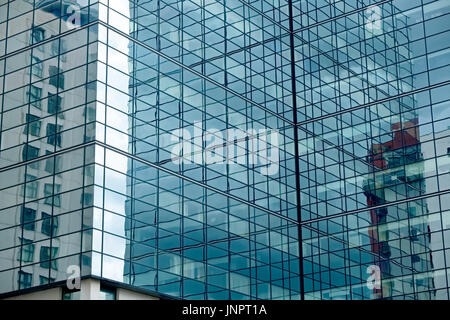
column 236, row 149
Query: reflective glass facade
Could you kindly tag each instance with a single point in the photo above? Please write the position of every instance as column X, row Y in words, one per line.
column 48, row 70
column 372, row 93
column 232, row 149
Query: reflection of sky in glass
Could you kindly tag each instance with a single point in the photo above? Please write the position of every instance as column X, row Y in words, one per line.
column 334, row 149
column 113, row 268
column 114, row 221
column 114, row 246
column 117, row 99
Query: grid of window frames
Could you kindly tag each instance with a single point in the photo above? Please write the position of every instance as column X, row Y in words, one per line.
column 48, row 94
column 373, row 127
column 357, row 91
column 193, row 230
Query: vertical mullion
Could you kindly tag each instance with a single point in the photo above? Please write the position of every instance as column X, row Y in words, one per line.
column 296, row 148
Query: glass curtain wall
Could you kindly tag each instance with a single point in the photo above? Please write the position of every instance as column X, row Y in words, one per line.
column 237, row 149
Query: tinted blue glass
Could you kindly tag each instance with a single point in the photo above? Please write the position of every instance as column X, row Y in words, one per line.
column 227, row 149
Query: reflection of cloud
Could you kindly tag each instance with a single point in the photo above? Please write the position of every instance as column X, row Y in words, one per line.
column 117, row 60
column 115, row 202
column 120, row 6
column 117, row 120
column 114, row 224
column 120, row 81
column 117, row 99
column 116, row 161
column 115, row 181
column 116, row 139
column 113, row 268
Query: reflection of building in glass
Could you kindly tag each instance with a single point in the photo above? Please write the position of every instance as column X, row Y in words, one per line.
column 44, row 111
column 437, row 144
column 366, row 92
column 398, row 172
column 92, row 93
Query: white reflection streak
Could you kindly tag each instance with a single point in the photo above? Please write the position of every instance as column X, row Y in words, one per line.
column 113, row 268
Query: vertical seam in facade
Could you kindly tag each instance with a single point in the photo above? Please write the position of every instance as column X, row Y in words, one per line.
column 296, row 153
